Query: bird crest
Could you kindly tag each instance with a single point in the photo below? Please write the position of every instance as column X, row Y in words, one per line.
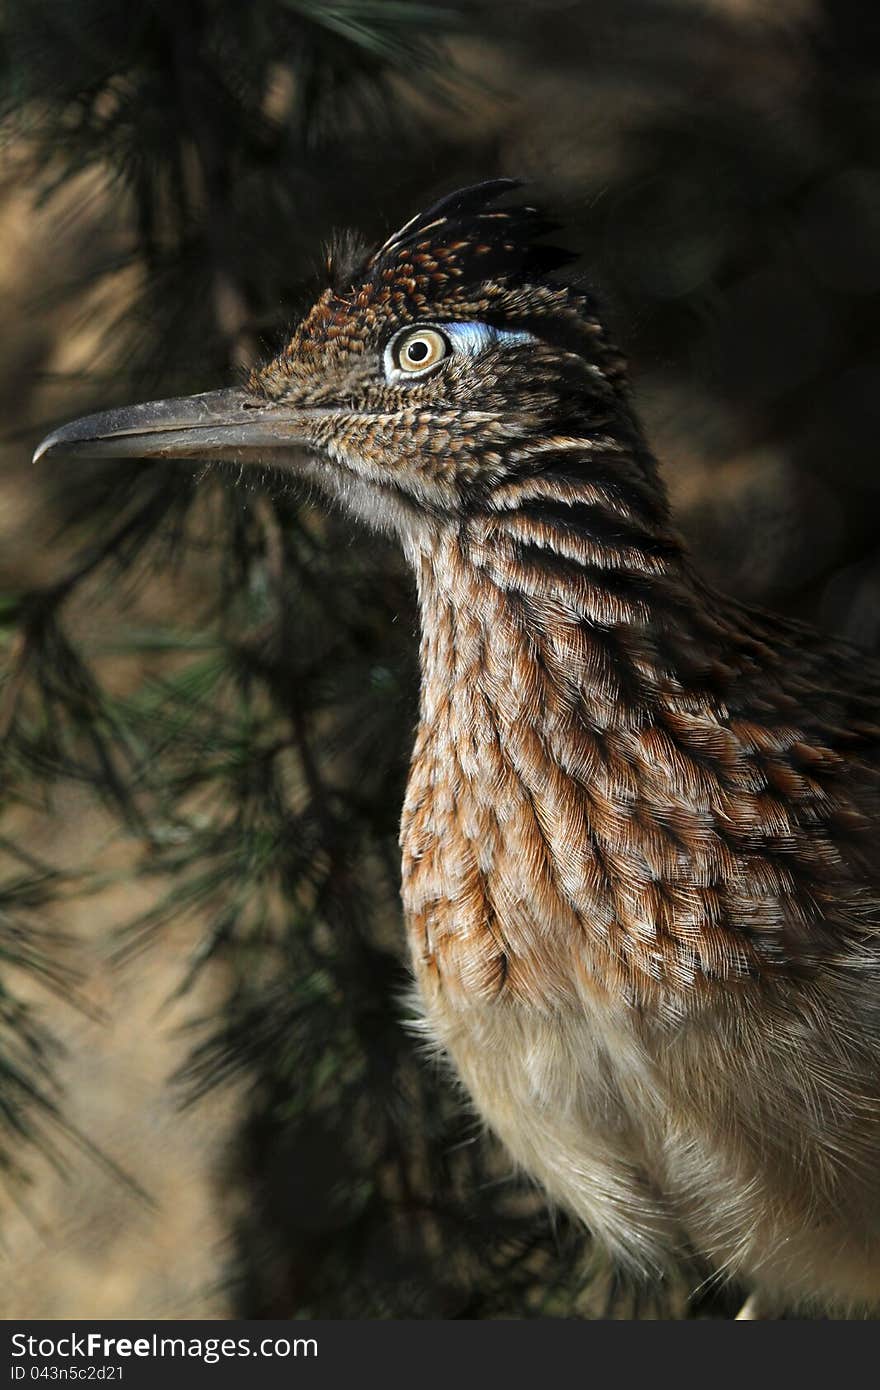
column 467, row 237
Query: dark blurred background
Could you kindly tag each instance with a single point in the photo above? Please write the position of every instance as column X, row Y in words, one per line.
column 209, row 1103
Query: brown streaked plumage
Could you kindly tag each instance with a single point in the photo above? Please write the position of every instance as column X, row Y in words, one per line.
column 640, row 839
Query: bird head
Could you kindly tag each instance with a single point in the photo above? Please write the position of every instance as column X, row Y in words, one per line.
column 416, row 382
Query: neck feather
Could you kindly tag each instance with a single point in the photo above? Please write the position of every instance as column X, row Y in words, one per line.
column 566, row 586
column 607, row 792
column 566, row 659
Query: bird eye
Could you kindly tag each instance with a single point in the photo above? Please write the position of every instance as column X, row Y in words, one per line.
column 419, row 350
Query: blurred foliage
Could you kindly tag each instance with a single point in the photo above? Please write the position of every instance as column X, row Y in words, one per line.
column 29, row 1105
column 717, row 165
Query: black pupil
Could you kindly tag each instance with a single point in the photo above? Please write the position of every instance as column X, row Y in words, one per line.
column 417, row 351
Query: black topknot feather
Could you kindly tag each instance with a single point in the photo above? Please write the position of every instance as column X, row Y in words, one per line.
column 491, row 242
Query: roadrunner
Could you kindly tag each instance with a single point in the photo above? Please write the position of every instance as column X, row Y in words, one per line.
column 640, row 837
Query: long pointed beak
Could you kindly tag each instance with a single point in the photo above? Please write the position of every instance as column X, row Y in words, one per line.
column 218, row 424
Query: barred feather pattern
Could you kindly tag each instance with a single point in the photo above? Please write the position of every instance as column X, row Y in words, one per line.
column 639, row 849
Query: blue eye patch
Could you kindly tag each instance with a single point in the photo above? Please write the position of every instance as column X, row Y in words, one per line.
column 474, row 338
